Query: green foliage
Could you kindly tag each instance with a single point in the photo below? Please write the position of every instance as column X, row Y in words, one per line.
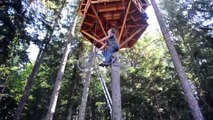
column 14, row 39
column 12, row 84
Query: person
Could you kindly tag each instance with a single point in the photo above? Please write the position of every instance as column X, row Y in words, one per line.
column 111, row 46
column 145, row 18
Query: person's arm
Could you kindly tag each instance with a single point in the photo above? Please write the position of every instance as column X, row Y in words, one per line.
column 103, row 46
column 104, row 39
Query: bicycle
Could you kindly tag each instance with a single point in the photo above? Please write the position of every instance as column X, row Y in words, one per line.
column 91, row 61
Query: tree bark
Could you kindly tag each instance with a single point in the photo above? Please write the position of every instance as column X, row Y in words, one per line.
column 57, row 86
column 82, row 110
column 31, row 78
column 72, row 91
column 69, row 116
column 29, row 85
column 192, row 102
column 116, row 90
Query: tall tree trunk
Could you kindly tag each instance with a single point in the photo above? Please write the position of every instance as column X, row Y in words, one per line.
column 57, row 86
column 93, row 105
column 30, row 82
column 69, row 116
column 73, row 85
column 116, row 90
column 82, row 110
column 31, row 78
column 192, row 102
column 72, row 90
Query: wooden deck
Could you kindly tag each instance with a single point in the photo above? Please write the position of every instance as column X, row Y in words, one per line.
column 124, row 15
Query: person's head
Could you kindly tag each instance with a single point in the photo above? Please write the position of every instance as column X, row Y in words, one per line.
column 111, row 31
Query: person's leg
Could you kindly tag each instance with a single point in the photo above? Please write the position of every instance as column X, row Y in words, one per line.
column 104, row 53
column 108, row 56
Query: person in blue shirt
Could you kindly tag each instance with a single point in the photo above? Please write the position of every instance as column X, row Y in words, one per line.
column 111, row 45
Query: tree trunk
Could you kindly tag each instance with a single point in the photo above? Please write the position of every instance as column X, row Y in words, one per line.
column 116, row 90
column 69, row 104
column 69, row 116
column 57, row 86
column 192, row 102
column 82, row 110
column 29, row 85
column 71, row 93
column 31, row 78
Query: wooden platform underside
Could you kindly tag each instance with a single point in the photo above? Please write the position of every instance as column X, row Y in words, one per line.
column 124, row 15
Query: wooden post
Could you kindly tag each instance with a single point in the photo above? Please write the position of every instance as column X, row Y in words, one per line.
column 99, row 20
column 133, row 35
column 116, row 89
column 124, row 22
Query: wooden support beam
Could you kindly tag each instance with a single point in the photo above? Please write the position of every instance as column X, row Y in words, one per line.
column 138, row 18
column 110, row 16
column 124, row 22
column 133, row 19
column 86, row 23
column 132, row 11
column 84, row 11
column 94, row 34
column 132, row 26
column 133, row 35
column 114, row 18
column 111, row 9
column 100, row 35
column 91, row 36
column 104, row 1
column 128, row 19
column 91, row 15
column 99, row 20
column 80, row 8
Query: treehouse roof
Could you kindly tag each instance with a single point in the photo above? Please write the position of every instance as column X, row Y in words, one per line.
column 126, row 16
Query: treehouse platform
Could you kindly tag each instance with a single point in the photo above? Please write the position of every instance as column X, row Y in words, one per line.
column 126, row 16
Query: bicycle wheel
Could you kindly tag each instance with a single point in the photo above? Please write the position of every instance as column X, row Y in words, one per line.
column 85, row 63
column 99, row 58
column 124, row 62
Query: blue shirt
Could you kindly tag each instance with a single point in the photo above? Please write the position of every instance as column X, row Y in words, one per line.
column 112, row 41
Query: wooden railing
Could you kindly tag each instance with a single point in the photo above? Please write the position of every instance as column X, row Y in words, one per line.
column 140, row 5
